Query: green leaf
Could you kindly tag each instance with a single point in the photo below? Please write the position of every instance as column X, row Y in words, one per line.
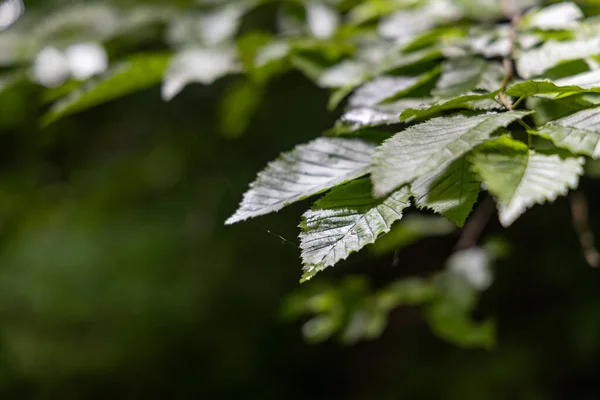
column 449, row 190
column 421, row 149
column 489, row 41
column 412, row 228
column 395, row 59
column 585, row 82
column 307, row 170
column 388, row 88
column 578, row 132
column 202, row 65
column 346, row 73
column 520, row 177
column 556, row 16
column 404, row 24
column 240, row 102
column 465, row 74
column 470, row 102
column 368, row 117
column 323, row 20
column 344, row 221
column 139, row 72
column 552, row 53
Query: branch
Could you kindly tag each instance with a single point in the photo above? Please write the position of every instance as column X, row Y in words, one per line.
column 579, row 212
column 474, row 227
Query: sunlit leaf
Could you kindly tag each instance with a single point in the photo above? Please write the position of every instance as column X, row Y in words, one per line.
column 368, row 117
column 556, row 16
column 387, row 88
column 519, row 177
column 197, row 65
column 322, row 20
column 344, row 221
column 536, row 61
column 463, row 75
column 451, row 190
column 578, row 132
column 421, row 149
column 307, row 170
column 469, row 102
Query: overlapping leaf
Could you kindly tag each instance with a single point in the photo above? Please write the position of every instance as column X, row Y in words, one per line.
column 578, row 132
column 463, row 75
column 585, row 82
column 485, row 101
column 359, row 118
column 344, row 221
column 305, row 171
column 450, row 190
column 556, row 16
column 536, row 61
column 387, row 88
column 422, row 148
column 202, row 65
column 519, row 177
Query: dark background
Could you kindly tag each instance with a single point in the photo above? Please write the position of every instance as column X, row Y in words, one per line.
column 118, row 278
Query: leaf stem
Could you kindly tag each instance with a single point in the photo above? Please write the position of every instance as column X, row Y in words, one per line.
column 519, row 100
column 475, row 225
column 579, row 212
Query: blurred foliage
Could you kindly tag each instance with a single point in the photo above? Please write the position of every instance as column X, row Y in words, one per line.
column 118, row 279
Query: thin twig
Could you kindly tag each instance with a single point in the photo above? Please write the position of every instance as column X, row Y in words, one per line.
column 579, row 212
column 476, row 224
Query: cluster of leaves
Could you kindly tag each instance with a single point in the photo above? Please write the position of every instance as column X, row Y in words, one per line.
column 442, row 98
column 353, row 312
column 459, row 96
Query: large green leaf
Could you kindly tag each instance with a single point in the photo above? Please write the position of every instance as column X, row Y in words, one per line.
column 536, row 61
column 450, row 190
column 421, row 149
column 520, row 177
column 305, row 171
column 465, row 74
column 578, row 132
column 344, row 221
column 137, row 73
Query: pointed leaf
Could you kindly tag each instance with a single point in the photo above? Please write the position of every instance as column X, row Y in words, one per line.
column 422, row 148
column 463, row 75
column 450, row 190
column 520, row 177
column 305, row 171
column 138, row 73
column 536, row 61
column 578, row 132
column 344, row 221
